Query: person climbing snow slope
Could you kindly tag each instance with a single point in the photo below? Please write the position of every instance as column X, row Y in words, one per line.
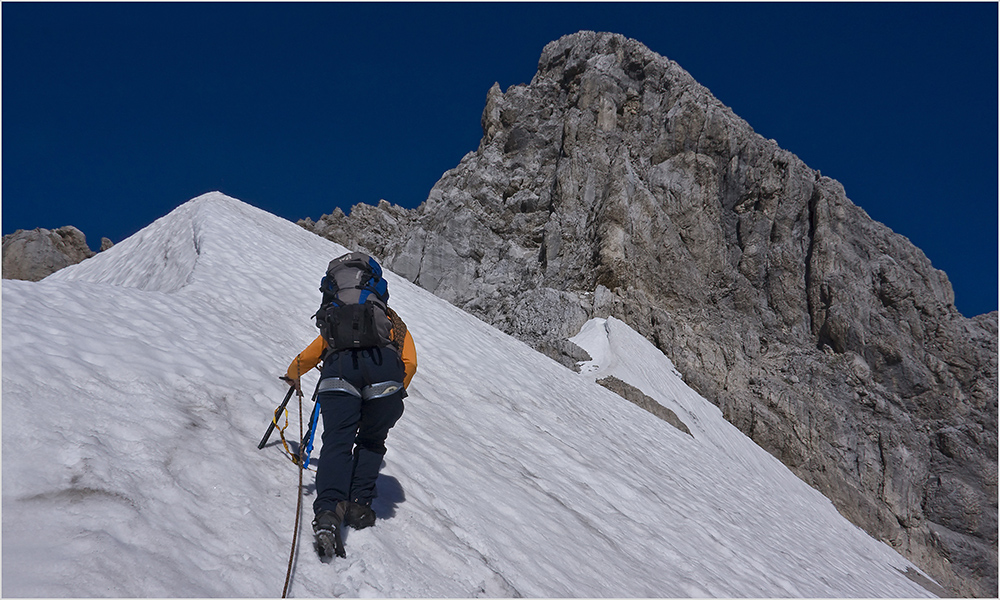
column 368, row 361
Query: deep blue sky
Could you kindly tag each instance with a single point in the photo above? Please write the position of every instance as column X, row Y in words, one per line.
column 114, row 114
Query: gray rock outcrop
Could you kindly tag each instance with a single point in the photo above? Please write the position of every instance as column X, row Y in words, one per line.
column 640, row 399
column 37, row 253
column 614, row 184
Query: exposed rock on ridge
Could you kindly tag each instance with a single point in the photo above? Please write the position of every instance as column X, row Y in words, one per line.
column 637, row 397
column 616, row 185
column 35, row 254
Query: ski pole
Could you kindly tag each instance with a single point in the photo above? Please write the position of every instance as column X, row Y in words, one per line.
column 308, row 442
column 277, row 411
column 305, row 448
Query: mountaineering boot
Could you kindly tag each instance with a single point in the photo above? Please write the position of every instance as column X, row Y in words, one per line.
column 360, row 516
column 326, row 526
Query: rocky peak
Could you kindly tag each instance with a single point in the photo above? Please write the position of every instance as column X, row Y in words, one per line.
column 615, row 185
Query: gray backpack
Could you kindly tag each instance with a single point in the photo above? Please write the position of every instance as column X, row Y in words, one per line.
column 355, row 299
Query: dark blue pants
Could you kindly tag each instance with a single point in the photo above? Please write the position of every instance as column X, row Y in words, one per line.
column 354, row 430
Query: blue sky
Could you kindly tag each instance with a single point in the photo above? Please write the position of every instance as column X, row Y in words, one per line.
column 114, row 114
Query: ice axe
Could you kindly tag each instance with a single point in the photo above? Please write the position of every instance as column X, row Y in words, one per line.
column 277, row 413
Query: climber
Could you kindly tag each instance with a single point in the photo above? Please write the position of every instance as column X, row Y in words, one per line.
column 368, row 360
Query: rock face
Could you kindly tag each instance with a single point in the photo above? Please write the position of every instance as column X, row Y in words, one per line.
column 616, row 185
column 33, row 255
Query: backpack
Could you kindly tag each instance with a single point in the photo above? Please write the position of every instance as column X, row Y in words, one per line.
column 352, row 313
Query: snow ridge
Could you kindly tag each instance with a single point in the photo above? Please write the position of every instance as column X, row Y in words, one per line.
column 137, row 384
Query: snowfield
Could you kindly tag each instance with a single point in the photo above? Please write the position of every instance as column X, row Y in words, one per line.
column 137, row 384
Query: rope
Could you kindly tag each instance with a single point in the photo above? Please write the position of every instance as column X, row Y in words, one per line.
column 281, row 431
column 298, row 506
column 296, row 458
column 302, row 464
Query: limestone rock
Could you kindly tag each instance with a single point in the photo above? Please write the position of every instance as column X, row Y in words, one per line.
column 637, row 397
column 614, row 184
column 35, row 254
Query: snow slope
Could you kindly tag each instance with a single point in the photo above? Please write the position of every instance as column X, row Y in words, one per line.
column 137, row 384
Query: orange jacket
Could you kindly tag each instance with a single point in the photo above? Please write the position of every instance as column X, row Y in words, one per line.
column 310, row 357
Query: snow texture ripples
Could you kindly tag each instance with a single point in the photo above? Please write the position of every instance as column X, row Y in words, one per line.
column 137, row 384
